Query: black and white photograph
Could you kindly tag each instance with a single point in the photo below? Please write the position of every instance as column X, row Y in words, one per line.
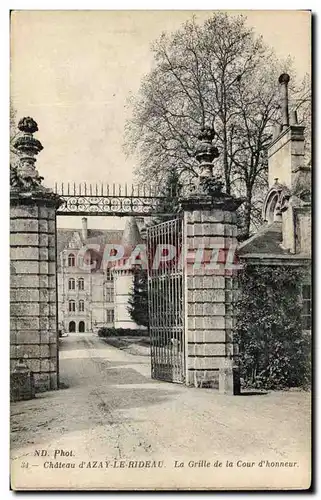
column 160, row 250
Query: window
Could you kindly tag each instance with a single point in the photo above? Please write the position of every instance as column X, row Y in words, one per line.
column 71, row 284
column 109, row 275
column 72, row 306
column 306, row 307
column 81, row 306
column 81, row 284
column 71, row 260
column 110, row 315
column 109, row 294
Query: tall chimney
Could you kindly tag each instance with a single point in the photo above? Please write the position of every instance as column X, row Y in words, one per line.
column 293, row 117
column 283, row 81
column 84, row 229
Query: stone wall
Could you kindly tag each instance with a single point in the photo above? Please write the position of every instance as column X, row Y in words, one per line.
column 286, row 155
column 33, row 327
column 123, row 283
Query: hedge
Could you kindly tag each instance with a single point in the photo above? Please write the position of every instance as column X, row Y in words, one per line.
column 122, row 332
column 274, row 351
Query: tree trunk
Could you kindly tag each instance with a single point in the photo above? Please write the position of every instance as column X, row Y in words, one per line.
column 247, row 216
column 225, row 164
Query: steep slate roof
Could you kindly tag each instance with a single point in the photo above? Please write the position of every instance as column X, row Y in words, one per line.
column 266, row 241
column 63, row 237
column 95, row 236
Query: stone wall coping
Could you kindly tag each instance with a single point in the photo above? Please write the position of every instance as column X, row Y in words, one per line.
column 44, row 196
column 203, row 202
column 294, row 132
column 281, row 260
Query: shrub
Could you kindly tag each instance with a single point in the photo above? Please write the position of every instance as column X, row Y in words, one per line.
column 121, row 332
column 274, row 352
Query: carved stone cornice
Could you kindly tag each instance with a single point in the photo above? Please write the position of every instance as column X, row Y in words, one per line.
column 206, row 202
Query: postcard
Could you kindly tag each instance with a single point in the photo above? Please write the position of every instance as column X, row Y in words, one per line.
column 160, row 250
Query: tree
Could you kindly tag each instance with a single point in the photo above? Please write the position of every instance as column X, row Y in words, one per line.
column 138, row 301
column 170, row 192
column 219, row 74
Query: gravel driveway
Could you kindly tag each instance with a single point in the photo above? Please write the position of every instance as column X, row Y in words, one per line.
column 140, row 430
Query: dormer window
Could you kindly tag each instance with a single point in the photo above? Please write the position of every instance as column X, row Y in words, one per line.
column 71, row 260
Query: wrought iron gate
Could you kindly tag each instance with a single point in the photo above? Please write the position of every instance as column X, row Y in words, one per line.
column 166, row 302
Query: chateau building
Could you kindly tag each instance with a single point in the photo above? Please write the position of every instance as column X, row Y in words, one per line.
column 91, row 294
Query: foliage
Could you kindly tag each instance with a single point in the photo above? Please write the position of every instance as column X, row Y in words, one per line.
column 170, row 193
column 274, row 353
column 121, row 332
column 23, row 183
column 220, row 74
column 13, row 133
column 138, row 300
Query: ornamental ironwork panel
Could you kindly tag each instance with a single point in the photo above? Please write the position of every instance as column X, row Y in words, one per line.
column 116, row 199
column 166, row 301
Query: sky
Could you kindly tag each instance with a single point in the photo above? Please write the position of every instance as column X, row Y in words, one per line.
column 73, row 71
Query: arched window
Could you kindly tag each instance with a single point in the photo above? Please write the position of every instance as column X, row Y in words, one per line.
column 71, row 284
column 71, row 260
column 81, row 326
column 81, row 306
column 81, row 284
column 72, row 306
column 72, row 326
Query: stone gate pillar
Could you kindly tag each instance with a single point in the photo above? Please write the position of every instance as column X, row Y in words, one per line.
column 210, row 242
column 33, row 311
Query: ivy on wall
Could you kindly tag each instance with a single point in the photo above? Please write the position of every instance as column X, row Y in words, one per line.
column 274, row 351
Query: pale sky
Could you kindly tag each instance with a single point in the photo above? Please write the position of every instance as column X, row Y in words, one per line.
column 72, row 71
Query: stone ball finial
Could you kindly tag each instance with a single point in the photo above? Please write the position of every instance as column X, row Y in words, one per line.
column 284, row 79
column 206, row 152
column 25, row 143
column 206, row 134
column 28, row 125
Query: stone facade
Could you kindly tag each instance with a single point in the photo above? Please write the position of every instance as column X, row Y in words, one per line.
column 86, row 296
column 123, row 280
column 123, row 274
column 94, row 296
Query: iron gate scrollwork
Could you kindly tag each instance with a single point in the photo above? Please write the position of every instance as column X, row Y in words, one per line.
column 166, row 302
column 104, row 199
